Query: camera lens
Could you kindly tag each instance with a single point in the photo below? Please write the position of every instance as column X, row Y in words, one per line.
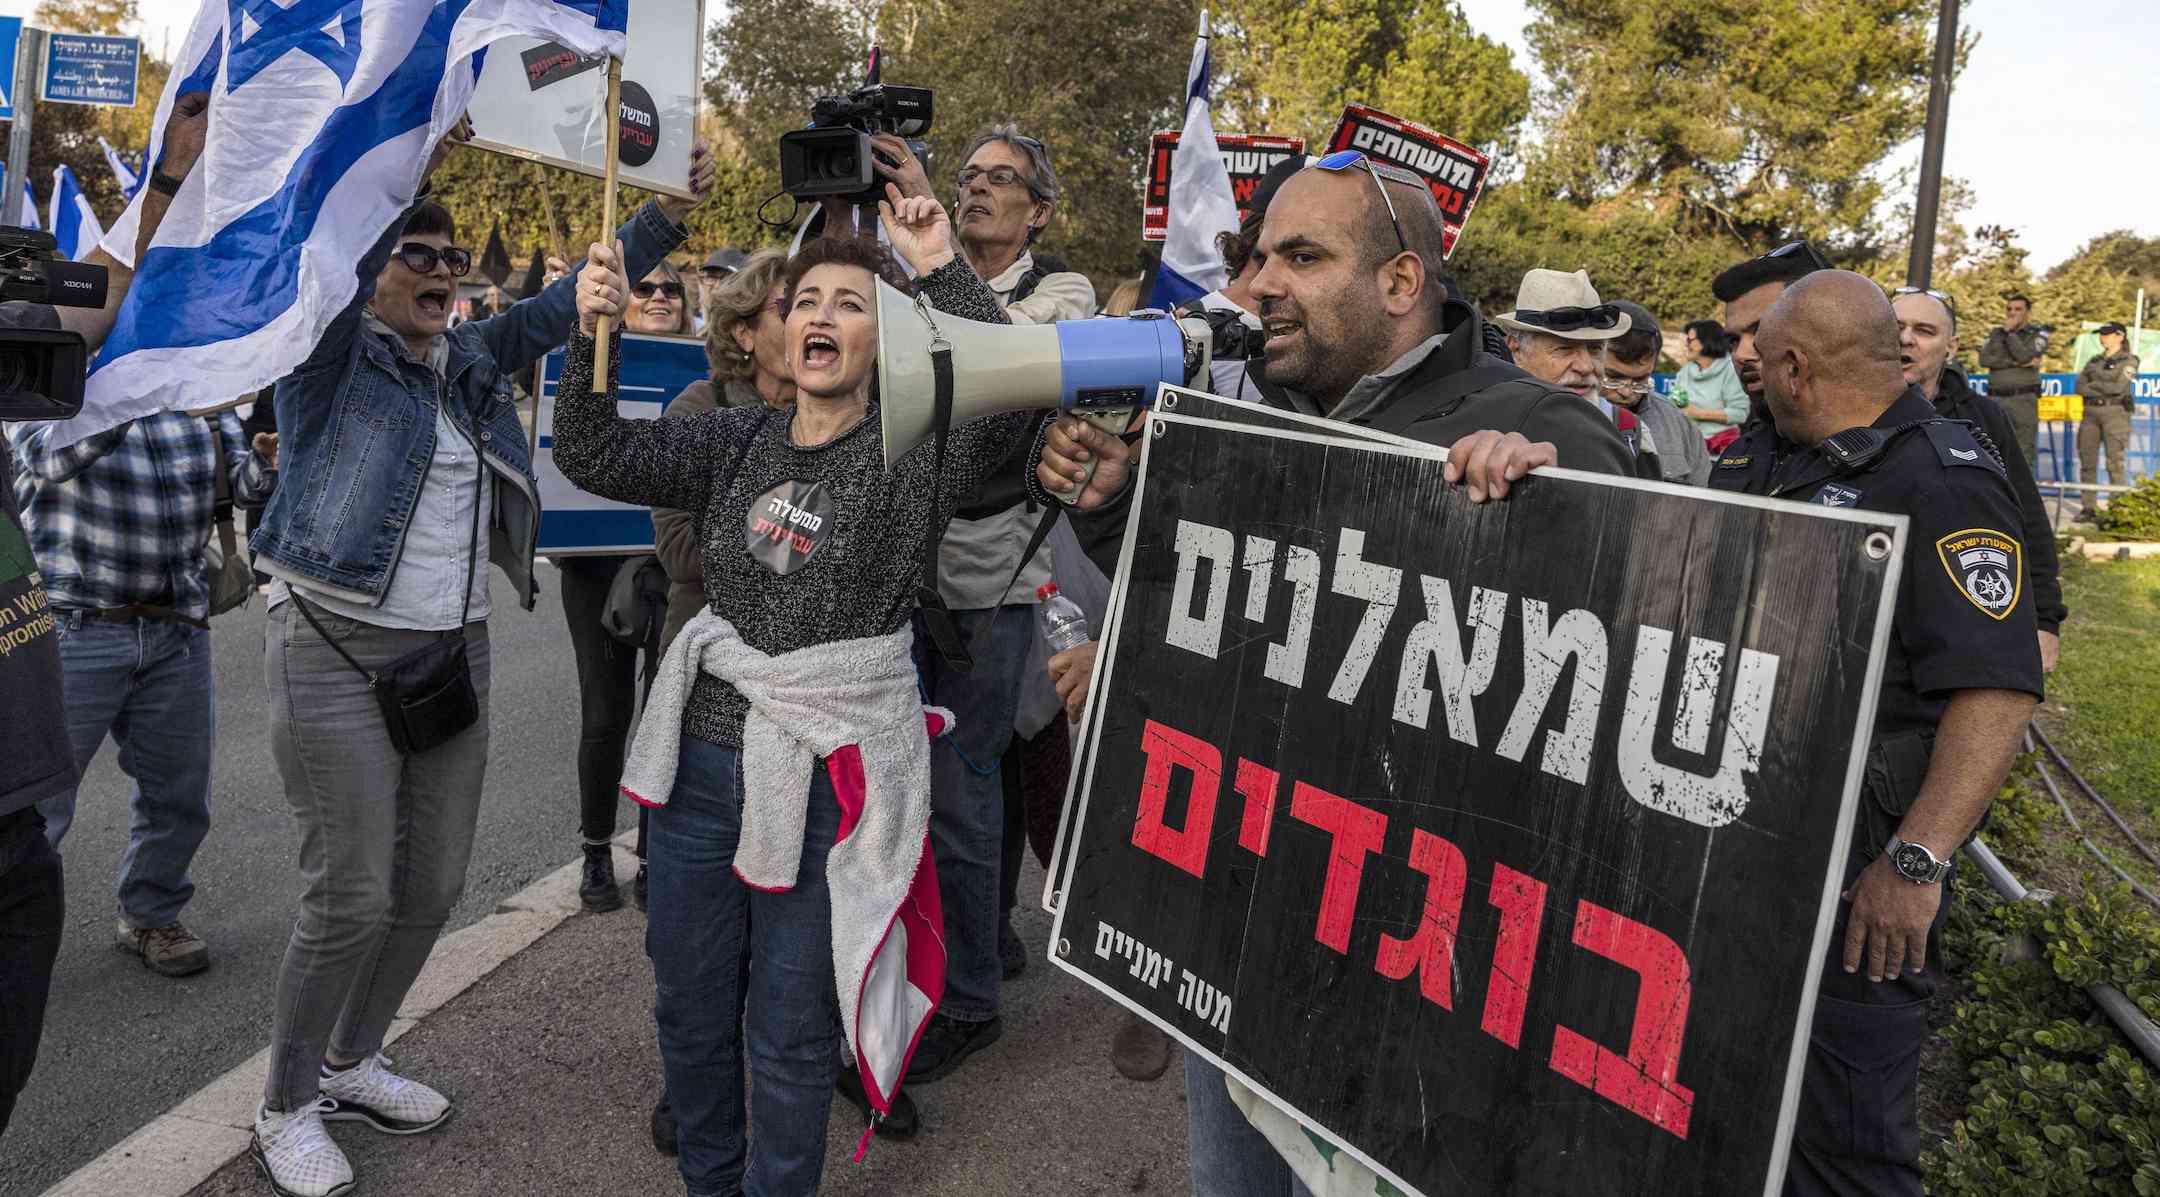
column 17, row 372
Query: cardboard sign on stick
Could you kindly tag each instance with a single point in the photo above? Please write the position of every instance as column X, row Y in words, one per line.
column 540, row 101
column 1247, row 156
column 1455, row 172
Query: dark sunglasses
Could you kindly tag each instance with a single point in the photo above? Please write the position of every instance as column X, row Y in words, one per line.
column 1342, row 160
column 1603, row 315
column 645, row 290
column 1803, row 251
column 421, row 259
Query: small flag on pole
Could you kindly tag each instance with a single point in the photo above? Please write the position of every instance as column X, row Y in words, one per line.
column 74, row 223
column 1201, row 202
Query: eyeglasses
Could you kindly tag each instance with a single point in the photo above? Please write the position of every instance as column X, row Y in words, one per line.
column 1342, row 160
column 421, row 259
column 1948, row 305
column 1627, row 386
column 646, row 290
column 1803, row 251
column 999, row 176
column 1603, row 315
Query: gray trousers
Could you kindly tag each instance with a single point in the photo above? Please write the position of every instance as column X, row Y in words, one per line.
column 2107, row 425
column 384, row 840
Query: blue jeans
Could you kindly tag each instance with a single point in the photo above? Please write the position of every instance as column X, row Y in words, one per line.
column 967, row 803
column 696, row 913
column 1230, row 1157
column 148, row 683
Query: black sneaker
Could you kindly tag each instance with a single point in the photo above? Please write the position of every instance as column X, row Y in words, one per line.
column 1012, row 954
column 902, row 1123
column 2086, row 516
column 637, row 886
column 946, row 1043
column 663, row 1128
column 598, row 892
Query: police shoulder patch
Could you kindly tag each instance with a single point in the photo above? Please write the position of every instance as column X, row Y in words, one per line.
column 1734, row 463
column 1986, row 566
column 1955, row 445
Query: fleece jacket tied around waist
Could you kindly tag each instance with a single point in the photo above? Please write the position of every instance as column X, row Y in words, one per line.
column 854, row 703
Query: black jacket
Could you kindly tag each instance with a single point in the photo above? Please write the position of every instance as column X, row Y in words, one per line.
column 1461, row 387
column 1957, row 401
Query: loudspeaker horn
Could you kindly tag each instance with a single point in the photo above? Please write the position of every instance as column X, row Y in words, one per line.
column 1104, row 369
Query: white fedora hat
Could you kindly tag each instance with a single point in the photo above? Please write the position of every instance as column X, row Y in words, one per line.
column 1555, row 297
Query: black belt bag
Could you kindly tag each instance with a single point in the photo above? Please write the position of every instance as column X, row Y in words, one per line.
column 427, row 695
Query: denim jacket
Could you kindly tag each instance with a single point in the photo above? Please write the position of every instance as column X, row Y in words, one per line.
column 356, row 425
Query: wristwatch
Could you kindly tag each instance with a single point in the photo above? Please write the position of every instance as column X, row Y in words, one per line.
column 163, row 183
column 1915, row 863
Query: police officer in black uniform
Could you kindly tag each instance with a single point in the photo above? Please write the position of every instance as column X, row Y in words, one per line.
column 1961, row 679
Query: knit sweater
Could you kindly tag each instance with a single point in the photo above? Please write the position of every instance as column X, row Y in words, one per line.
column 860, row 581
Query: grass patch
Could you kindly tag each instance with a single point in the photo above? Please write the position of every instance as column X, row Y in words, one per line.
column 2104, row 700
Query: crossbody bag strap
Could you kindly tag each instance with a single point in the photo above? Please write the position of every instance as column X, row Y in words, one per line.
column 937, row 618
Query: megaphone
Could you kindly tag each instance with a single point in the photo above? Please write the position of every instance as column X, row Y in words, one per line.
column 1104, row 371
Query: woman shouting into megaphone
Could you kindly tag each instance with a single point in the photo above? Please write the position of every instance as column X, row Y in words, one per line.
column 784, row 749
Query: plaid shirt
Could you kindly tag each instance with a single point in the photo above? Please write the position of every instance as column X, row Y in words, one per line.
column 121, row 518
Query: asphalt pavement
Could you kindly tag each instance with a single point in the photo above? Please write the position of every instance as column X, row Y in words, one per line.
column 551, row 1056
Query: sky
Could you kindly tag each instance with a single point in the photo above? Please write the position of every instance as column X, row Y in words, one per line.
column 2055, row 125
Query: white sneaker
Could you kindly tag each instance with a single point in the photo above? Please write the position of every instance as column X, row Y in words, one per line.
column 369, row 1092
column 297, row 1154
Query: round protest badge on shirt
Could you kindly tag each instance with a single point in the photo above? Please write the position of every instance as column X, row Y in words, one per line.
column 786, row 525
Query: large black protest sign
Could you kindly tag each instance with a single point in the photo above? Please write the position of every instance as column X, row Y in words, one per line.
column 1500, row 843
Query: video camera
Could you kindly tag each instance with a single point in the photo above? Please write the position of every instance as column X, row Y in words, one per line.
column 41, row 370
column 832, row 159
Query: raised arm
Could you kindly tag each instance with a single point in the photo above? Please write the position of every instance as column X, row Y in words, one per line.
column 658, row 463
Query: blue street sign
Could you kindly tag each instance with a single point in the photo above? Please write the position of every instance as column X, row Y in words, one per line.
column 10, row 34
column 83, row 68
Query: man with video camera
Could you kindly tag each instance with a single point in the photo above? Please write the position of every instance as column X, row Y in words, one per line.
column 39, row 765
column 1004, row 196
column 118, row 522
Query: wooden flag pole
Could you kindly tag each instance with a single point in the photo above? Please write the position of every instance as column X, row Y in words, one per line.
column 606, row 324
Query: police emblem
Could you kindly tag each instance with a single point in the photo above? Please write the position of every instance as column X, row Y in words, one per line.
column 1837, row 496
column 1986, row 566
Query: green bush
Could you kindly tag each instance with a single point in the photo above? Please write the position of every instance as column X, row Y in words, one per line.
column 2059, row 1103
column 2134, row 512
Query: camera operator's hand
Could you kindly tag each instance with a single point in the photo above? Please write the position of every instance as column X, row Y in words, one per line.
column 186, row 127
column 1068, row 446
column 601, row 288
column 1488, row 462
column 701, row 176
column 906, row 173
column 918, row 229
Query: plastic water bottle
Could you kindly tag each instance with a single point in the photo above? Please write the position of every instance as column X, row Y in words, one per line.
column 1063, row 624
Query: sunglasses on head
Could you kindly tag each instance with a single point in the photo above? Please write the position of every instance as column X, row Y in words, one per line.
column 1803, row 251
column 1342, row 160
column 646, row 290
column 421, row 259
column 1948, row 305
column 1603, row 315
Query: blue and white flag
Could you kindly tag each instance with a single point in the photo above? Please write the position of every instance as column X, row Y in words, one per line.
column 1202, row 205
column 29, row 207
column 129, row 178
column 324, row 113
column 74, row 223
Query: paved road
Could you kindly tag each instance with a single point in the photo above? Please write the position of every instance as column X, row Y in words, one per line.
column 552, row 1063
column 123, row 1044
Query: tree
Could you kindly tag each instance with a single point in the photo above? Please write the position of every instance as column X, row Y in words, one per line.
column 2121, row 252
column 68, row 133
column 1754, row 119
column 1289, row 66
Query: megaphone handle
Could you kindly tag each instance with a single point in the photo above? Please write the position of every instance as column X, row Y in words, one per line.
column 1113, row 420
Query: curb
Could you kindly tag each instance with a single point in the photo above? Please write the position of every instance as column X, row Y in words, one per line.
column 187, row 1144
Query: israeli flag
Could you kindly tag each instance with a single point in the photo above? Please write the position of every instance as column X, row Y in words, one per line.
column 29, row 207
column 130, row 181
column 1201, row 202
column 324, row 113
column 74, row 223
